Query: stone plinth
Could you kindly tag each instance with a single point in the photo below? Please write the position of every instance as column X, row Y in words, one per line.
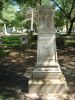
column 49, row 86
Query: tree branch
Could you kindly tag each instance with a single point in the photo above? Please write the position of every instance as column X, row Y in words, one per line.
column 63, row 4
column 40, row 2
column 61, row 9
column 69, row 14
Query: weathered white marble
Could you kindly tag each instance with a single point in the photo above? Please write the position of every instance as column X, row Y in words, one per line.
column 46, row 20
column 47, row 76
column 46, row 45
column 46, row 51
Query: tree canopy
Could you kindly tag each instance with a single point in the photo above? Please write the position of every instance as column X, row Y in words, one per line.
column 8, row 13
column 66, row 10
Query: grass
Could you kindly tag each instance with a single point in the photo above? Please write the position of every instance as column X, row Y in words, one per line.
column 73, row 33
column 1, row 98
column 11, row 41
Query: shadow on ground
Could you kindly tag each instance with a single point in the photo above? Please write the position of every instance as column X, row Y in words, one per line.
column 66, row 57
column 15, row 71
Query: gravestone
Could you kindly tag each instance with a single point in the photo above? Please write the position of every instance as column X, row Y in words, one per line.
column 23, row 41
column 47, row 77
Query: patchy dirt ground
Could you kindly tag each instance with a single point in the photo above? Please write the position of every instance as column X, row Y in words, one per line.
column 16, row 69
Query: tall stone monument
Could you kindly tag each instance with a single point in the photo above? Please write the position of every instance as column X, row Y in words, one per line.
column 47, row 77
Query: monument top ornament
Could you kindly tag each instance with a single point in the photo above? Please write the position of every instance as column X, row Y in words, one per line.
column 46, row 19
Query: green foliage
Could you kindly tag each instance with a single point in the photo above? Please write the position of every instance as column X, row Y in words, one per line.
column 20, row 16
column 28, row 24
column 18, row 20
column 1, row 98
column 32, row 3
column 68, row 8
column 1, row 21
column 11, row 41
column 59, row 18
column 1, row 4
column 45, row 2
column 8, row 13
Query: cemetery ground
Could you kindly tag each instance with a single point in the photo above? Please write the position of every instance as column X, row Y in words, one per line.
column 16, row 65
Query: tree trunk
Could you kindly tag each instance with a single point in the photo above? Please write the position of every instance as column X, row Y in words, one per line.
column 66, row 25
column 71, row 26
column 40, row 2
column 5, row 30
column 32, row 19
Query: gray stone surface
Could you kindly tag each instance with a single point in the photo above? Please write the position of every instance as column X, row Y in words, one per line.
column 46, row 77
column 49, row 97
column 46, row 51
column 47, row 73
column 47, row 88
column 46, row 19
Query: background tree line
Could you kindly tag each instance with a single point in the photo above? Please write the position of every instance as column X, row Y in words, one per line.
column 64, row 12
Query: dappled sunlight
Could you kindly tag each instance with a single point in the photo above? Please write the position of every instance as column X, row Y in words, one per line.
column 15, row 71
column 44, row 91
column 29, row 57
column 67, row 55
column 14, row 61
column 14, row 54
column 66, row 59
column 47, row 97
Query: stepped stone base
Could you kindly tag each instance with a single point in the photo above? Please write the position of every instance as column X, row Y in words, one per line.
column 51, row 86
column 52, row 89
column 42, row 72
column 57, row 96
column 46, row 73
column 47, row 80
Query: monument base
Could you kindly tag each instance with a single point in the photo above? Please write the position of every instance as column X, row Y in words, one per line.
column 47, row 78
column 47, row 72
column 46, row 87
column 51, row 89
column 47, row 81
column 46, row 97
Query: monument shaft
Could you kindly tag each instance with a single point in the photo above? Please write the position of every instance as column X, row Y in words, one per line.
column 46, row 46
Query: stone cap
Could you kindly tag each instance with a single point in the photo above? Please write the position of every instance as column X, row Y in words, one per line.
column 46, row 19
